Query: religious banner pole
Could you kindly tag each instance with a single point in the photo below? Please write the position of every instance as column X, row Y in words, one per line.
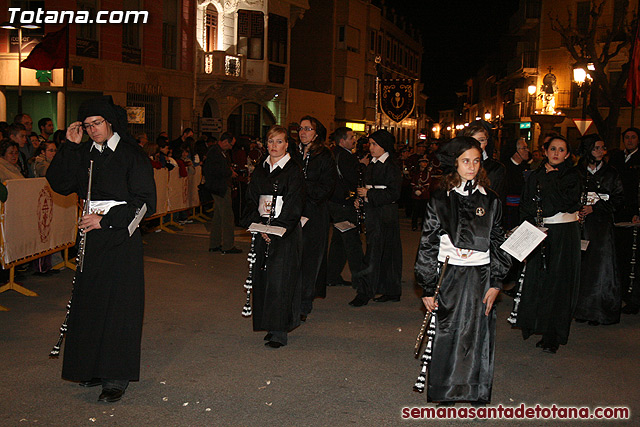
column 378, row 115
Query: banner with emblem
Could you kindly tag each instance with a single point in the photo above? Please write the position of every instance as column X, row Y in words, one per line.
column 397, row 98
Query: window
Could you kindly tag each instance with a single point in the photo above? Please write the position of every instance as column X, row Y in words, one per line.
column 131, row 52
column 169, row 34
column 210, row 29
column 348, row 38
column 350, row 93
column 251, row 34
column 582, row 16
column 379, row 45
column 341, row 34
column 277, row 38
column 87, row 43
column 372, row 41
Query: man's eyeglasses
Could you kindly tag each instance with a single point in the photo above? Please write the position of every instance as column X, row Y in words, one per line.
column 93, row 124
column 306, row 128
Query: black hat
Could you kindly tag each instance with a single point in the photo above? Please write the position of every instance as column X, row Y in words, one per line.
column 450, row 151
column 104, row 106
column 587, row 143
column 384, row 139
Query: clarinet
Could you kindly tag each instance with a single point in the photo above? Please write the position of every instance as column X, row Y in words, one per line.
column 540, row 222
column 85, row 211
column 360, row 208
column 272, row 212
column 55, row 351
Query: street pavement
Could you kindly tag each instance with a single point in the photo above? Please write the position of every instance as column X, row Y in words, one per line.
column 203, row 365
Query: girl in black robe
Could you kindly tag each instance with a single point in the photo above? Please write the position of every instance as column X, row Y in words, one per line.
column 320, row 178
column 599, row 298
column 463, row 222
column 552, row 196
column 276, row 276
column 382, row 265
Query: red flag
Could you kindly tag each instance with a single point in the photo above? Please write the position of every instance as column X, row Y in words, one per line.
column 633, row 81
column 50, row 53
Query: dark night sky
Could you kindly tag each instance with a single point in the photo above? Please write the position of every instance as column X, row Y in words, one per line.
column 457, row 38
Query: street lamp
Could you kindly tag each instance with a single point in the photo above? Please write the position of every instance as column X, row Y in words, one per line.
column 487, row 116
column 583, row 80
column 10, row 26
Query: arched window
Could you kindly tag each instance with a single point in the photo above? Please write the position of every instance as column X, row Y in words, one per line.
column 210, row 29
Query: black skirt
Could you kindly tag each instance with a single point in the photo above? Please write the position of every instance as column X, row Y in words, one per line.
column 463, row 348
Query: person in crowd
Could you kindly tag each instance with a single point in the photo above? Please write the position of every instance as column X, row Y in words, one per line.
column 4, row 126
column 142, row 139
column 537, row 156
column 34, row 140
column 319, row 170
column 462, row 363
column 345, row 245
column 25, row 120
column 627, row 163
column 276, row 273
column 9, row 167
column 218, row 173
column 105, row 319
column 164, row 153
column 43, row 157
column 422, row 184
column 599, row 297
column 382, row 266
column 481, row 130
column 201, row 147
column 177, row 143
column 46, row 129
column 517, row 155
column 59, row 137
column 17, row 133
column 551, row 198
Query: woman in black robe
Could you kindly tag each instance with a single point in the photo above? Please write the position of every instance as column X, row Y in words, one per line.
column 320, row 178
column 463, row 222
column 599, row 298
column 276, row 273
column 496, row 171
column 551, row 196
column 105, row 320
column 382, row 265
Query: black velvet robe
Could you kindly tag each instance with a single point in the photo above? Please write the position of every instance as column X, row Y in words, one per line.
column 463, row 348
column 276, row 291
column 105, row 321
column 549, row 295
column 382, row 266
column 320, row 179
column 599, row 298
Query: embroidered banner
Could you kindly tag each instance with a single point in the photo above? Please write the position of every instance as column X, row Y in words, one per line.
column 397, row 98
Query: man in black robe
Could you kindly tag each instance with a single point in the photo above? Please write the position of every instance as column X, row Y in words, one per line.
column 105, row 320
column 344, row 245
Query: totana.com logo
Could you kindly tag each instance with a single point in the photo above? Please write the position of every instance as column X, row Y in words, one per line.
column 41, row 16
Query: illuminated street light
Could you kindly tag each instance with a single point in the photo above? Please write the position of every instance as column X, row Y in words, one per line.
column 487, row 116
column 532, row 89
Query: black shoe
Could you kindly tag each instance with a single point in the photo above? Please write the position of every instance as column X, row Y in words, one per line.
column 273, row 344
column 594, row 323
column 216, row 249
column 268, row 336
column 550, row 349
column 359, row 301
column 630, row 309
column 110, row 395
column 540, row 344
column 340, row 283
column 385, row 298
column 303, row 317
column 233, row 250
column 580, row 320
column 91, row 383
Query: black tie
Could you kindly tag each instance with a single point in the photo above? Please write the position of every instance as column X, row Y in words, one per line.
column 468, row 187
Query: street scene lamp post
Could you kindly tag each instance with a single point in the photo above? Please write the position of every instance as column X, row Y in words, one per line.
column 583, row 80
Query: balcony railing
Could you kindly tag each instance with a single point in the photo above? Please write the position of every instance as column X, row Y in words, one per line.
column 527, row 59
column 219, row 63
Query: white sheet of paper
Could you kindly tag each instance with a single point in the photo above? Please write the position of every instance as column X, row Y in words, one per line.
column 584, row 244
column 344, row 226
column 303, row 220
column 627, row 224
column 256, row 227
column 136, row 220
column 523, row 241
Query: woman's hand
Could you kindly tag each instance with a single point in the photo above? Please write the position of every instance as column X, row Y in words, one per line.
column 549, row 168
column 266, row 237
column 362, row 192
column 74, row 132
column 586, row 210
column 90, row 222
column 430, row 303
column 489, row 299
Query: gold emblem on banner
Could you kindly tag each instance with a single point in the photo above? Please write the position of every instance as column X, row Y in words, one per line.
column 397, row 98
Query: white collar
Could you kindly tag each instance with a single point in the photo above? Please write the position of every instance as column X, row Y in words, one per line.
column 626, row 156
column 382, row 158
column 485, row 156
column 283, row 161
column 514, row 162
column 593, row 171
column 111, row 143
column 460, row 189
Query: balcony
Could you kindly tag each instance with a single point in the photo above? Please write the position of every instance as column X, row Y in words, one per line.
column 526, row 18
column 220, row 64
column 525, row 63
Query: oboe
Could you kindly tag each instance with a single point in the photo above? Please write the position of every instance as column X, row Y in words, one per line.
column 360, row 208
column 540, row 222
column 272, row 212
column 427, row 317
column 85, row 211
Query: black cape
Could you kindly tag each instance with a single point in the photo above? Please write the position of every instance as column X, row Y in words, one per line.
column 549, row 294
column 463, row 348
column 276, row 290
column 599, row 298
column 105, row 321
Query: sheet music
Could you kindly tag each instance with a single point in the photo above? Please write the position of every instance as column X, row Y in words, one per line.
column 256, row 227
column 523, row 241
column 344, row 226
column 136, row 220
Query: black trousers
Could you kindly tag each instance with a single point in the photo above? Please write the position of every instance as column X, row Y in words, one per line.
column 345, row 246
